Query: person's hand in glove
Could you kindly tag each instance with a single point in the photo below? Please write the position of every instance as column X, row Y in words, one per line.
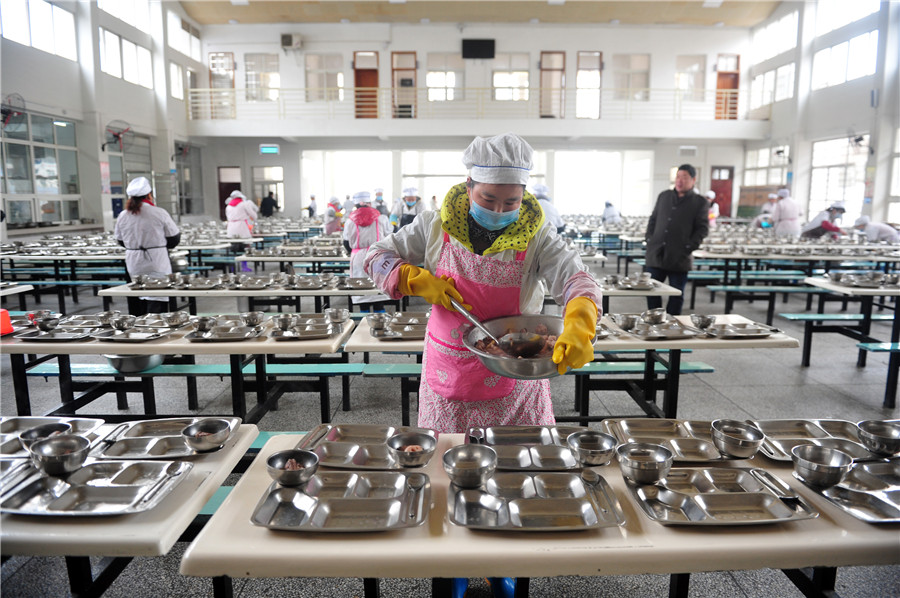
column 422, row 283
column 574, row 348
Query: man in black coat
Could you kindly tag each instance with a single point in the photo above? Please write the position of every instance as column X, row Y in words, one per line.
column 269, row 205
column 677, row 226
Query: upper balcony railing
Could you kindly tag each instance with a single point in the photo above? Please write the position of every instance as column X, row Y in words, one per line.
column 466, row 103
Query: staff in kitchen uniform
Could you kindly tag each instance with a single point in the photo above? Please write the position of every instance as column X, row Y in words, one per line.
column 406, row 210
column 489, row 247
column 241, row 213
column 332, row 218
column 786, row 216
column 365, row 225
column 147, row 232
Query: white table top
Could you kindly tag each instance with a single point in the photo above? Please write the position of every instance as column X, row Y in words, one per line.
column 175, row 344
column 217, row 245
column 660, row 289
column 124, row 290
column 292, row 258
column 230, row 545
column 78, row 257
column 824, row 283
column 12, row 288
column 151, row 533
column 819, row 257
column 362, row 341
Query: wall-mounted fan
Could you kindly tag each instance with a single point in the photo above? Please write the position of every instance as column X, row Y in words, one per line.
column 119, row 136
column 13, row 106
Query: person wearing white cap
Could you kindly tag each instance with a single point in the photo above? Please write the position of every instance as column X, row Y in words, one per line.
column 364, row 226
column 769, row 206
column 823, row 223
column 877, row 232
column 786, row 216
column 348, row 206
column 611, row 215
column 240, row 213
column 379, row 203
column 713, row 208
column 311, row 208
column 147, row 232
column 332, row 217
column 542, row 194
column 406, row 210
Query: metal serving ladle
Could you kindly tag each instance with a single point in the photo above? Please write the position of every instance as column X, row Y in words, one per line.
column 516, row 344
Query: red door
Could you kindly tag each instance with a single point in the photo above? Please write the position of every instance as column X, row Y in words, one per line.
column 722, row 183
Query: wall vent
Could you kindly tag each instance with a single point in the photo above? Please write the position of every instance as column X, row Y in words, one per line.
column 687, row 151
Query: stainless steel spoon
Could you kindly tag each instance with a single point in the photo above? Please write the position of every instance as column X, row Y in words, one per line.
column 416, row 482
column 472, row 319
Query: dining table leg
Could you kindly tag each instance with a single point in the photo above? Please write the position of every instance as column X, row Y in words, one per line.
column 865, row 326
column 238, row 402
column 222, row 587
column 670, row 399
column 20, row 384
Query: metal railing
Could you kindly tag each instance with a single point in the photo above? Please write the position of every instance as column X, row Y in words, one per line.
column 467, row 103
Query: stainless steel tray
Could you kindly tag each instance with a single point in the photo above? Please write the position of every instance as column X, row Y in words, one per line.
column 151, row 439
column 344, row 501
column 307, row 285
column 545, row 501
column 782, row 435
column 299, row 334
column 739, row 330
column 689, row 440
column 11, row 427
column 81, row 321
column 355, row 446
column 98, row 488
column 409, row 317
column 671, row 330
column 529, row 448
column 870, row 492
column 720, row 496
column 133, row 335
column 222, row 334
column 155, row 321
column 57, row 335
column 356, row 283
column 404, row 333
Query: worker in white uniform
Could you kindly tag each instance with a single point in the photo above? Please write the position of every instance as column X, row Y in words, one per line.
column 406, row 210
column 786, row 216
column 147, row 232
column 365, row 226
column 542, row 193
column 611, row 215
column 877, row 232
column 713, row 208
column 241, row 214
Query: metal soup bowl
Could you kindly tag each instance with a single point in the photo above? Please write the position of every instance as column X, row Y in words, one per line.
column 529, row 368
column 32, row 435
column 400, row 444
column 205, row 323
column 820, row 466
column 123, row 322
column 470, row 465
column 592, row 447
column 307, row 461
column 207, row 434
column 253, row 318
column 880, row 437
column 46, row 324
column 337, row 315
column 654, row 316
column 736, row 439
column 644, row 462
column 59, row 455
column 702, row 321
column 105, row 317
column 175, row 318
column 625, row 321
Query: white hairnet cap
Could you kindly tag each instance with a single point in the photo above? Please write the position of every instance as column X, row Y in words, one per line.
column 138, row 187
column 234, row 194
column 504, row 159
column 362, row 197
column 410, row 192
column 773, row 196
column 541, row 191
column 379, row 190
column 784, row 193
column 862, row 221
column 838, row 205
column 710, row 194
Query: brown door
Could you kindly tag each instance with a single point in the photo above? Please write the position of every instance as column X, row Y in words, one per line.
column 727, row 81
column 722, row 183
column 229, row 178
column 365, row 83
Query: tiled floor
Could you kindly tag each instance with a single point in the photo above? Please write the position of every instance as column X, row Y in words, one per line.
column 746, row 383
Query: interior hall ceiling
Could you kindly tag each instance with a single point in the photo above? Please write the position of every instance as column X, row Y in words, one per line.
column 728, row 13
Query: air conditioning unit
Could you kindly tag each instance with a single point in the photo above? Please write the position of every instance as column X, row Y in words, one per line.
column 687, row 151
column 291, row 41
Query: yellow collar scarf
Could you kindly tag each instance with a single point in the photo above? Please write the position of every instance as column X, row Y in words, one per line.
column 455, row 222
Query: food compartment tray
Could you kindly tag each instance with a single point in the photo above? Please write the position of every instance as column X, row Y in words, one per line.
column 719, row 496
column 535, row 501
column 81, row 321
column 782, row 435
column 529, row 448
column 56, row 335
column 689, row 440
column 141, row 335
column 672, row 330
column 738, row 330
column 337, row 501
column 870, row 492
column 11, row 427
column 152, row 439
column 356, row 446
column 225, row 334
column 98, row 488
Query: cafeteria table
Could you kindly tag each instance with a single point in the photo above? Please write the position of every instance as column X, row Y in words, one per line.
column 736, row 262
column 240, row 353
column 660, row 289
column 315, row 261
column 231, row 546
column 121, row 538
column 8, row 289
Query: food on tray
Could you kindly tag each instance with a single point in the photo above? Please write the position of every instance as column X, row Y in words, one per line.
column 202, row 433
column 292, row 465
column 412, row 448
column 489, row 346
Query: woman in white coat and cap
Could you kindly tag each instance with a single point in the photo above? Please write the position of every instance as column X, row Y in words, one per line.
column 241, row 214
column 786, row 216
column 364, row 226
column 147, row 232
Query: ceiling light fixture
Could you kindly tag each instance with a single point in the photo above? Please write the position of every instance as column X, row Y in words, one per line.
column 719, row 24
column 233, row 21
column 397, row 1
column 534, row 21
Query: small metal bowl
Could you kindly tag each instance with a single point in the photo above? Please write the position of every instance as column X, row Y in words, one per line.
column 32, row 435
column 398, row 444
column 284, row 321
column 644, row 462
column 702, row 321
column 124, row 322
column 175, row 318
column 611, row 280
column 40, row 313
column 59, row 455
column 835, row 276
column 129, row 364
column 205, row 323
column 736, row 439
column 470, row 465
column 253, row 318
column 654, row 316
column 105, row 317
column 522, row 368
column 308, row 462
column 207, row 434
column 592, row 447
column 378, row 320
column 337, row 315
column 880, row 437
column 46, row 324
column 820, row 466
column 625, row 321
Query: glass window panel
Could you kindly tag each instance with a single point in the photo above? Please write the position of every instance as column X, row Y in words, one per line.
column 19, row 211
column 14, row 21
column 116, row 175
column 130, row 70
column 17, row 168
column 145, row 67
column 751, row 158
column 821, row 68
column 51, row 210
column 65, row 132
column 553, row 60
column 589, row 60
column 41, row 129
column 784, row 82
column 176, row 80
column 68, row 172
column 775, row 176
column 768, row 87
column 71, row 209
column 46, row 171
column 110, row 56
column 64, row 33
column 366, row 60
column 41, row 17
column 862, row 55
column 403, row 60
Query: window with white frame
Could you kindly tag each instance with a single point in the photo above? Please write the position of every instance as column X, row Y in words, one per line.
column 324, row 77
column 784, row 82
column 176, row 80
column 188, row 168
column 631, row 77
column 39, row 24
column 182, row 36
column 261, row 77
column 690, row 77
column 894, row 206
column 588, row 80
column 767, row 166
column 122, row 58
column 838, row 173
column 110, row 55
column 775, row 38
column 134, row 12
column 845, row 61
column 833, row 14
column 445, row 76
column 509, row 77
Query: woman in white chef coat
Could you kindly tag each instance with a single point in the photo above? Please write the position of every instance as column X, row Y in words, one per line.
column 147, row 232
column 406, row 210
column 364, row 226
column 786, row 216
column 241, row 214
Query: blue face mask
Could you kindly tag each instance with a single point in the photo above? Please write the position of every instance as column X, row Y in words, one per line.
column 411, row 203
column 492, row 220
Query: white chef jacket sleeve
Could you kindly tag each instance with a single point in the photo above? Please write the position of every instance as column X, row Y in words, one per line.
column 409, row 245
column 170, row 229
column 560, row 266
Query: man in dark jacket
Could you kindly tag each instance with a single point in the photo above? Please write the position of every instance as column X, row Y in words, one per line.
column 269, row 205
column 677, row 226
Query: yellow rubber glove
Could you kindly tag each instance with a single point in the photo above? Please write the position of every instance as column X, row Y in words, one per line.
column 422, row 283
column 574, row 347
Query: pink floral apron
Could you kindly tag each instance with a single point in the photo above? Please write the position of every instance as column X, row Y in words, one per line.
column 457, row 391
